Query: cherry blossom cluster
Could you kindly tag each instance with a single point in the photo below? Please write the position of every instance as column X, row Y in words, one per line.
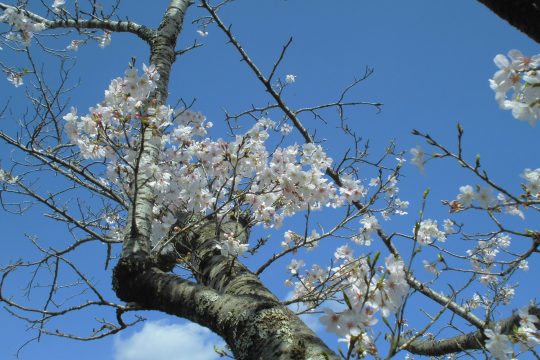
column 367, row 289
column 526, row 335
column 427, row 232
column 370, row 289
column 532, row 186
column 197, row 174
column 482, row 257
column 485, row 198
column 370, row 225
column 7, row 177
column 102, row 132
column 58, row 6
column 16, row 78
column 517, row 85
column 231, row 246
column 24, row 27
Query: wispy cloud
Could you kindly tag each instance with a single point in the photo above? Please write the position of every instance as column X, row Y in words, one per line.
column 161, row 340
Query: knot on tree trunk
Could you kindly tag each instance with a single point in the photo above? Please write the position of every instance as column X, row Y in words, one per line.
column 125, row 271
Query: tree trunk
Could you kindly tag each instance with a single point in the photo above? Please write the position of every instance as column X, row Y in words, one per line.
column 229, row 299
column 522, row 14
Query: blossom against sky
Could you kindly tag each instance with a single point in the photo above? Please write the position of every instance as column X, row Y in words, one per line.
column 431, row 71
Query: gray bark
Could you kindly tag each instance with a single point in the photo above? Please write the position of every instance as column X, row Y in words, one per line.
column 228, row 298
column 470, row 341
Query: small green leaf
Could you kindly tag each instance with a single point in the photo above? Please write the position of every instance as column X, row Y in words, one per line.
column 477, row 161
column 347, row 301
column 459, row 129
column 440, row 258
column 377, row 255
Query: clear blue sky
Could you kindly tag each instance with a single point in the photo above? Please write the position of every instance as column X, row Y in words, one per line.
column 432, row 62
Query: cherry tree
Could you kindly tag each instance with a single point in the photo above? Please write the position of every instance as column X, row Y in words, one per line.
column 175, row 208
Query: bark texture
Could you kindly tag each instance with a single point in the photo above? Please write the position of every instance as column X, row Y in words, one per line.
column 115, row 26
column 522, row 14
column 227, row 298
column 471, row 341
column 162, row 50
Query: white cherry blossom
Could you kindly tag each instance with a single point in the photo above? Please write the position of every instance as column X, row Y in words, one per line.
column 485, row 197
column 418, row 157
column 466, row 195
column 232, row 247
column 514, row 85
column 58, row 5
column 498, row 344
column 428, row 232
column 290, row 78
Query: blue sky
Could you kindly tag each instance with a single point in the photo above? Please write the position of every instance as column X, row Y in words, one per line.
column 432, row 62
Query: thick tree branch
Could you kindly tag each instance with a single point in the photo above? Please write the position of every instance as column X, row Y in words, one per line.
column 522, row 14
column 471, row 341
column 221, row 273
column 115, row 26
column 162, row 56
column 232, row 302
column 239, row 308
column 334, row 175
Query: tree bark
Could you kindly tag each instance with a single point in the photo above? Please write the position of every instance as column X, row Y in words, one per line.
column 470, row 341
column 522, row 14
column 229, row 299
column 162, row 48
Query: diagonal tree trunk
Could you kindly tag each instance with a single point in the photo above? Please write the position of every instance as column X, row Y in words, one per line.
column 227, row 297
column 230, row 299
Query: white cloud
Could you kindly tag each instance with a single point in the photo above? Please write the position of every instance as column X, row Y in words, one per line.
column 160, row 340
